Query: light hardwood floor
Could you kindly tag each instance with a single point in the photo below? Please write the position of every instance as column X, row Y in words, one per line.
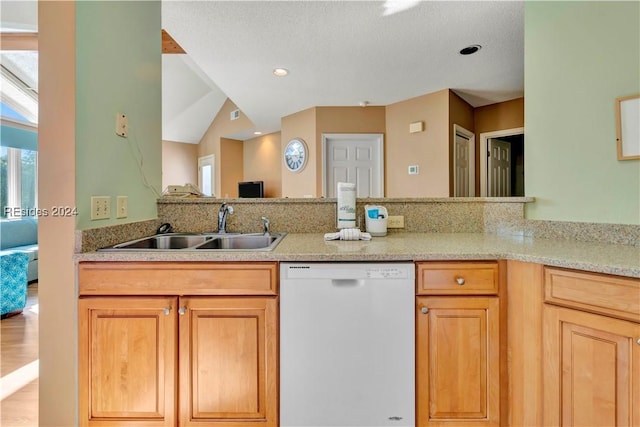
column 19, row 365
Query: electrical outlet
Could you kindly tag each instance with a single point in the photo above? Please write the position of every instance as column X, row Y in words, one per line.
column 100, row 207
column 122, row 125
column 395, row 221
column 122, row 206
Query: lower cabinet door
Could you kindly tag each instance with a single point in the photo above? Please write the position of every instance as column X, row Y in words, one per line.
column 127, row 361
column 228, row 367
column 591, row 369
column 458, row 361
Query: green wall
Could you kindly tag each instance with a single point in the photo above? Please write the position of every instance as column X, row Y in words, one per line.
column 118, row 66
column 579, row 57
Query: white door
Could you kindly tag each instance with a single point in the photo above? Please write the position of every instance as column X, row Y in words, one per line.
column 464, row 179
column 499, row 165
column 461, row 177
column 206, row 174
column 355, row 158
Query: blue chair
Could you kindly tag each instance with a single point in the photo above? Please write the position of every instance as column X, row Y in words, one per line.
column 13, row 282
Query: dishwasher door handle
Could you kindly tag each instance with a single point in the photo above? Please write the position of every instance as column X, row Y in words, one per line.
column 343, row 283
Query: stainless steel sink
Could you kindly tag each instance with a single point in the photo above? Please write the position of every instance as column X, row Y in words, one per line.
column 165, row 241
column 201, row 242
column 241, row 242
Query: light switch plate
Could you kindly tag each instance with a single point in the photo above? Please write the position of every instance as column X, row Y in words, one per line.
column 122, row 206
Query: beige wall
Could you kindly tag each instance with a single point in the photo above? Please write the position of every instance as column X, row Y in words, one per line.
column 503, row 115
column 300, row 125
column 262, row 160
column 222, row 126
column 461, row 114
column 345, row 120
column 58, row 390
column 428, row 149
column 490, row 118
column 230, row 167
column 179, row 163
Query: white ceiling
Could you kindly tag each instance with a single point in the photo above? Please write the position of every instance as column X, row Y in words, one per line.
column 339, row 53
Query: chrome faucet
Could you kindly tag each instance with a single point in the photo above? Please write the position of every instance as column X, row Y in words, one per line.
column 266, row 223
column 225, row 210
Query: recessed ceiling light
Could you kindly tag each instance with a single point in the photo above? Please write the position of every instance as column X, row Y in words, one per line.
column 469, row 50
column 257, row 132
column 280, row 72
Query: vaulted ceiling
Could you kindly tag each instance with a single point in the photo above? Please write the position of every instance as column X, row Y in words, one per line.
column 340, row 53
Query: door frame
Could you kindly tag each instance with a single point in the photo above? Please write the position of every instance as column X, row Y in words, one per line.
column 484, row 143
column 457, row 129
column 379, row 146
column 207, row 160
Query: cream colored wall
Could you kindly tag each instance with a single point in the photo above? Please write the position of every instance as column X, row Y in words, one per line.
column 231, row 167
column 345, row 120
column 262, row 161
column 220, row 127
column 300, row 125
column 461, row 114
column 58, row 390
column 429, row 149
column 179, row 163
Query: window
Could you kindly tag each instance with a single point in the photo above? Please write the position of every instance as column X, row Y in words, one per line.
column 18, row 182
column 18, row 134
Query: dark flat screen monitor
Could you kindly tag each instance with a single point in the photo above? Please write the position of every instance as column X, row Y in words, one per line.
column 251, row 189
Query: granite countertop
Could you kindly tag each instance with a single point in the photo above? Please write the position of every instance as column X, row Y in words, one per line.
column 596, row 257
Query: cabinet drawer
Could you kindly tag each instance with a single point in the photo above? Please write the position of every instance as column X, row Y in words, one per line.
column 458, row 278
column 178, row 278
column 599, row 293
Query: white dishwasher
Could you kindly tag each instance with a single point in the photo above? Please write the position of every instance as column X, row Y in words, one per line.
column 347, row 344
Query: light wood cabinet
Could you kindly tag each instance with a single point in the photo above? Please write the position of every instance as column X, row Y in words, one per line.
column 591, row 368
column 459, row 345
column 178, row 360
column 127, row 364
column 591, row 371
column 228, row 369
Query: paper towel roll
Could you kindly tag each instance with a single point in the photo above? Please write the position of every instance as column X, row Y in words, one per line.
column 346, row 207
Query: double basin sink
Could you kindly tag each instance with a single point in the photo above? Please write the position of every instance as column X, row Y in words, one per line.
column 201, row 242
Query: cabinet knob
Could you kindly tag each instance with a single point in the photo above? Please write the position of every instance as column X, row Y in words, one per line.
column 460, row 280
column 182, row 311
column 424, row 310
column 166, row 311
column 638, row 341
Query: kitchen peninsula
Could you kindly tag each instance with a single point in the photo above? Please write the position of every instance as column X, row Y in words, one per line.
column 524, row 287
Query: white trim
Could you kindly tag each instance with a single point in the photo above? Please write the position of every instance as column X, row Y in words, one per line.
column 484, row 138
column 4, row 121
column 14, row 180
column 367, row 136
column 459, row 130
